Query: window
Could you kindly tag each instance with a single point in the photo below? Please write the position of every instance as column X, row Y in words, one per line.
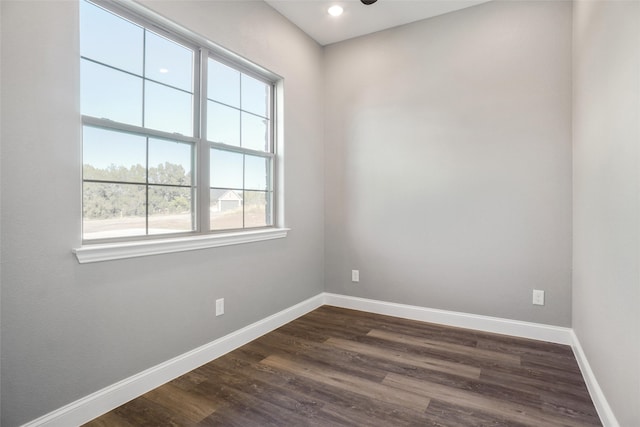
column 177, row 139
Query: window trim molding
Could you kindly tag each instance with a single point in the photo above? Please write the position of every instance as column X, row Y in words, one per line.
column 133, row 249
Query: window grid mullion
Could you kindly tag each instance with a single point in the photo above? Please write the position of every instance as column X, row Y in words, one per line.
column 241, row 150
column 204, row 193
column 107, row 181
column 196, row 181
column 120, row 70
column 238, row 108
column 136, row 130
column 244, row 157
column 144, row 90
column 146, row 186
column 144, row 73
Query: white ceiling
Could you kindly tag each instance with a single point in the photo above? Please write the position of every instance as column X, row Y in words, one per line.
column 358, row 19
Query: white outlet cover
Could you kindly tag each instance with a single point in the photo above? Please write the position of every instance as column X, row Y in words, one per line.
column 538, row 297
column 220, row 307
column 355, row 275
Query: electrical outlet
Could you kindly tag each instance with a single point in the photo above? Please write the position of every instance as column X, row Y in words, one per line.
column 355, row 275
column 220, row 307
column 538, row 297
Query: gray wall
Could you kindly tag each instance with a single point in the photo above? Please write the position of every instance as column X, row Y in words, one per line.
column 68, row 329
column 448, row 162
column 606, row 256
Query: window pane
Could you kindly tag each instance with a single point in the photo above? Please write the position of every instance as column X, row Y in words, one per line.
column 226, row 169
column 110, row 39
column 113, row 156
column 111, row 94
column 256, row 212
column 255, row 96
column 168, row 109
column 255, row 132
column 256, row 175
column 223, row 124
column 170, row 162
column 225, row 209
column 169, row 210
column 113, row 210
column 168, row 62
column 223, row 84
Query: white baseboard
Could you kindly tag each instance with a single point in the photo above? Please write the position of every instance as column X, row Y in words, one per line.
column 599, row 400
column 102, row 401
column 536, row 331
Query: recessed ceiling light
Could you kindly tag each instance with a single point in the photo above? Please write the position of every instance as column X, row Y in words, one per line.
column 164, row 70
column 335, row 10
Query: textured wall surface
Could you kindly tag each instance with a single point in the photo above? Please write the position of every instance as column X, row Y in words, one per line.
column 606, row 194
column 448, row 162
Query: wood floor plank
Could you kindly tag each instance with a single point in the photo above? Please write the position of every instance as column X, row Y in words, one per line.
column 406, row 358
column 269, row 391
column 528, row 380
column 340, row 367
column 356, row 385
column 142, row 412
column 468, row 351
column 339, row 406
column 250, row 401
column 321, row 354
column 346, row 407
column 447, row 414
column 438, row 332
column 188, row 381
column 110, row 419
column 566, row 371
column 581, row 410
column 509, row 410
column 189, row 405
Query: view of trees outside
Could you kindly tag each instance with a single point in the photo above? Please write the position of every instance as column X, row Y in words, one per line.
column 119, row 209
column 107, row 200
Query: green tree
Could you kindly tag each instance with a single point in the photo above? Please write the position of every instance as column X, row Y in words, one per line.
column 127, row 194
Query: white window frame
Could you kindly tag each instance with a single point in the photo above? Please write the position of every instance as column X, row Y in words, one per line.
column 201, row 237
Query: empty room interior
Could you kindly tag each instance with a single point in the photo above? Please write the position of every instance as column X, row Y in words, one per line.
column 425, row 193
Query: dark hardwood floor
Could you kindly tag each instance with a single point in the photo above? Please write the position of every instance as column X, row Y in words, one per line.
column 335, row 367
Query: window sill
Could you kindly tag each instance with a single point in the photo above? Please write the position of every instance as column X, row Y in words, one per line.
column 112, row 251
